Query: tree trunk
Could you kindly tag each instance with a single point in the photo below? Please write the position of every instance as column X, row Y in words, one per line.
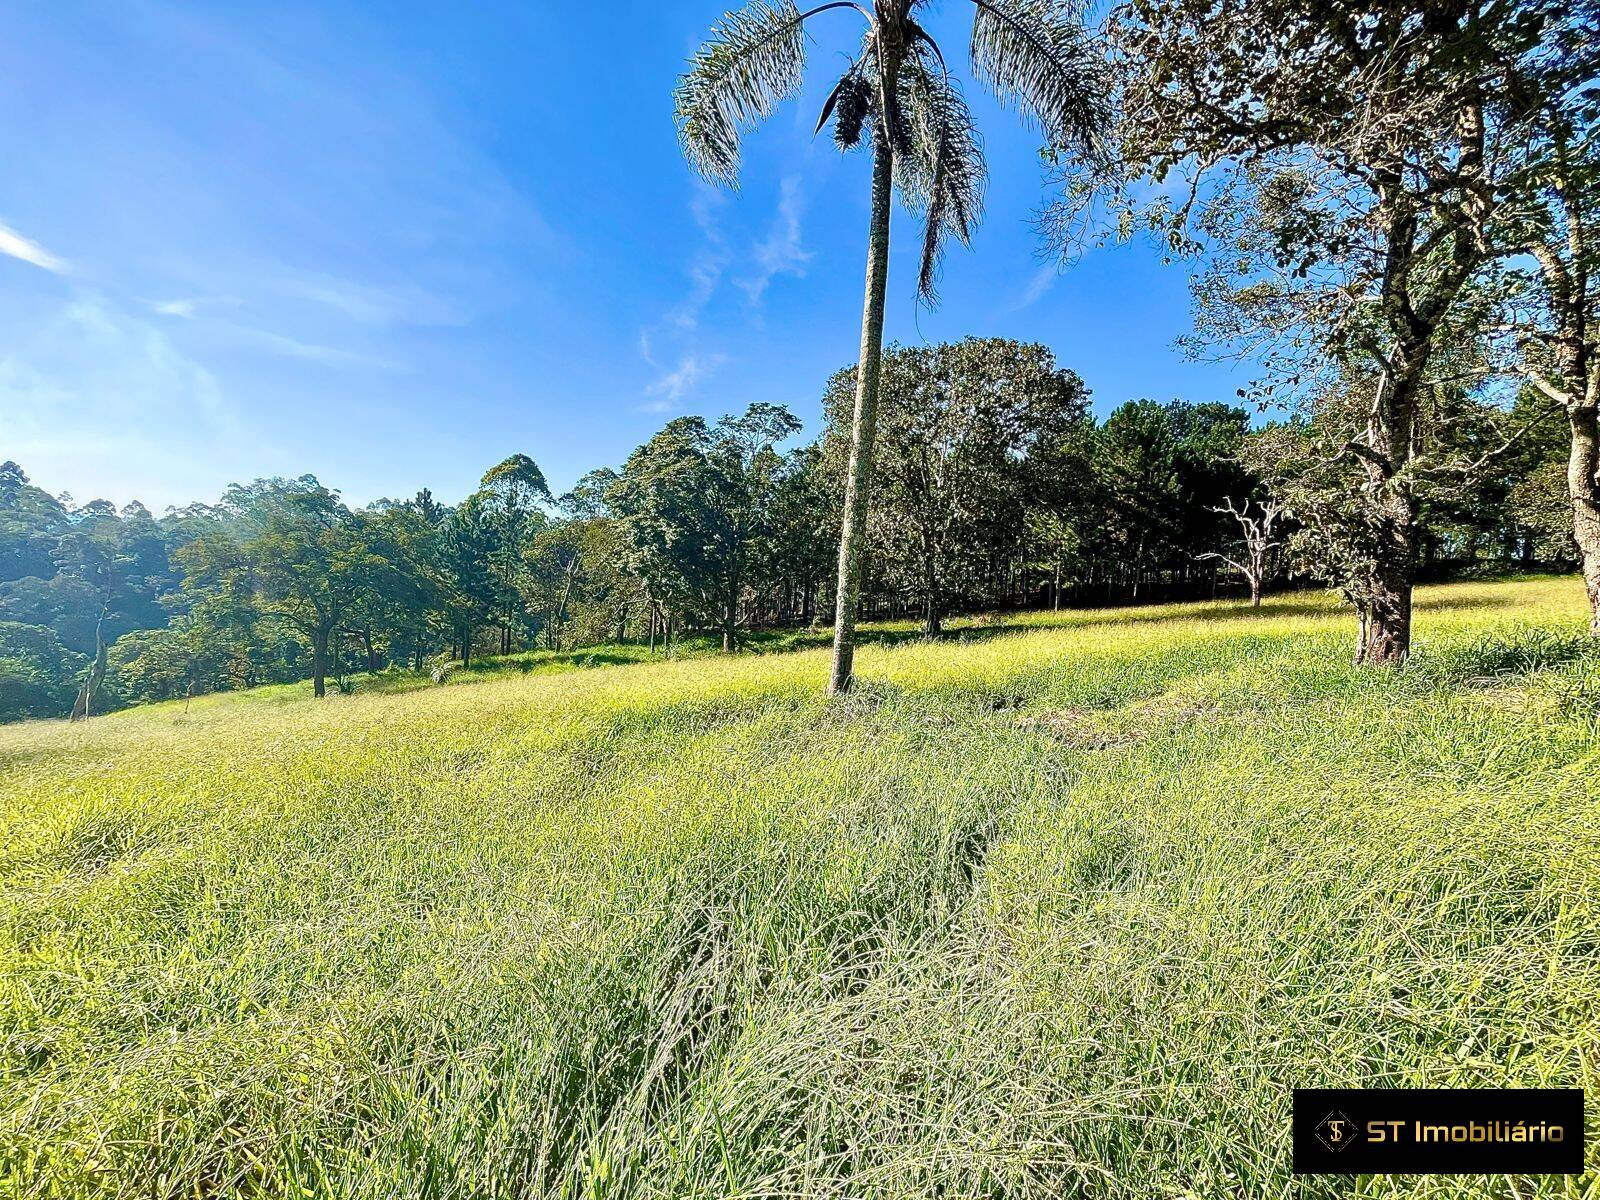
column 1583, row 483
column 319, row 663
column 1255, row 591
column 858, row 477
column 1387, row 641
column 87, row 694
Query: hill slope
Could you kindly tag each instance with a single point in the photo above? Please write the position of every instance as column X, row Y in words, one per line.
column 1051, row 911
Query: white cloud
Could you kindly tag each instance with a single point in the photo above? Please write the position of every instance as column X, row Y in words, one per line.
column 676, row 336
column 177, row 308
column 309, row 351
column 1043, row 280
column 781, row 253
column 91, row 392
column 15, row 245
column 671, row 387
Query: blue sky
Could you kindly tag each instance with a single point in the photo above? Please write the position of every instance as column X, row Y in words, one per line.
column 391, row 244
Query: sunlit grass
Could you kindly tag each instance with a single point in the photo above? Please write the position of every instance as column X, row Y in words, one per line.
column 1063, row 909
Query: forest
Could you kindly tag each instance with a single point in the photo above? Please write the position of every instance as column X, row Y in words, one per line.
column 996, row 490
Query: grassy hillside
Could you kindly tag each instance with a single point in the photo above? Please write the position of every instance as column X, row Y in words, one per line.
column 1050, row 911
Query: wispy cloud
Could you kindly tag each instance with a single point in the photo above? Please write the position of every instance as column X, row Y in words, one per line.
column 14, row 245
column 671, row 387
column 782, row 253
column 189, row 307
column 94, row 391
column 710, row 261
column 679, row 327
column 310, row 351
column 1038, row 287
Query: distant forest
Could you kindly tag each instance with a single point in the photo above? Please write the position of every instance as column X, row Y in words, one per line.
column 995, row 488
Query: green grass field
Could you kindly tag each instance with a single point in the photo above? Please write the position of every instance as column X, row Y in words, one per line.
column 1059, row 908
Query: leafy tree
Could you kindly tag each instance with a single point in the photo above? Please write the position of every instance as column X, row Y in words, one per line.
column 1346, row 168
column 695, row 506
column 511, row 493
column 1550, row 232
column 91, row 557
column 1032, row 52
column 36, row 672
column 957, row 425
column 313, row 563
column 218, row 594
column 31, row 521
column 183, row 659
column 803, row 536
column 468, row 538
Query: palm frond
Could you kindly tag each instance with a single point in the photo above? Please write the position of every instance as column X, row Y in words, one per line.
column 752, row 61
column 1035, row 54
column 942, row 174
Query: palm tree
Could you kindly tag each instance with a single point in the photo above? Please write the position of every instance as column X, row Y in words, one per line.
column 1033, row 53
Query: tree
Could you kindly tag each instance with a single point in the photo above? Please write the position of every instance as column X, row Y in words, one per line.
column 695, row 505
column 91, row 557
column 746, row 473
column 958, row 423
column 511, row 494
column 1551, row 234
column 1346, row 167
column 1031, row 52
column 804, row 533
column 36, row 672
column 31, row 521
column 218, row 594
column 184, row 659
column 313, row 563
column 467, row 540
column 1258, row 532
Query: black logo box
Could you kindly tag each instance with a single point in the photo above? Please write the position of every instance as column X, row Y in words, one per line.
column 1355, row 1131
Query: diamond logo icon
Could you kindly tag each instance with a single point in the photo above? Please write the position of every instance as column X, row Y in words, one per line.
column 1336, row 1131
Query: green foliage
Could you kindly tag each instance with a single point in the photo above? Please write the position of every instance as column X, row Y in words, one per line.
column 751, row 62
column 696, row 509
column 958, row 429
column 38, row 675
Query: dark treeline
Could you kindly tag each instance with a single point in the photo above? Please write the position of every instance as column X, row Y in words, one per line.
column 995, row 489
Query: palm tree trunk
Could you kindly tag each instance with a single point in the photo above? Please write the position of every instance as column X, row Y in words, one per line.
column 858, row 478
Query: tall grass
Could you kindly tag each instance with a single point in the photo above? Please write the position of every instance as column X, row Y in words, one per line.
column 1063, row 910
